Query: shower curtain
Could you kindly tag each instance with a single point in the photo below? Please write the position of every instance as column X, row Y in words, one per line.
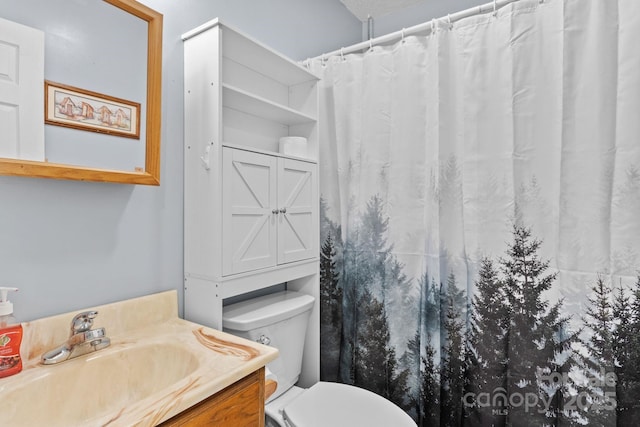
column 480, row 217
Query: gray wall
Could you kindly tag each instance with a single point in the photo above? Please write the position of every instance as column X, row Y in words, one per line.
column 69, row 245
column 418, row 14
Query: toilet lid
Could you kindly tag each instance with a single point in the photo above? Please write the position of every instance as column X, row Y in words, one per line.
column 337, row 405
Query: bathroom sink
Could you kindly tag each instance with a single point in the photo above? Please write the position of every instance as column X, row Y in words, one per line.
column 157, row 366
column 86, row 388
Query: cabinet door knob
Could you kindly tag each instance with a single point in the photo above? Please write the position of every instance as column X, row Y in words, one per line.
column 275, row 211
column 283, row 210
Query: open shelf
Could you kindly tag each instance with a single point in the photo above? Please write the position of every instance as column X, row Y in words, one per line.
column 249, row 103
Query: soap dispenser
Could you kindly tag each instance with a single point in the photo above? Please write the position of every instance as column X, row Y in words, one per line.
column 10, row 336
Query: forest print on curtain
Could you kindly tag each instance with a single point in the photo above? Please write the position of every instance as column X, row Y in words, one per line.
column 480, row 218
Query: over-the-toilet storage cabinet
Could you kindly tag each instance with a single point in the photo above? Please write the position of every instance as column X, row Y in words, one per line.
column 250, row 213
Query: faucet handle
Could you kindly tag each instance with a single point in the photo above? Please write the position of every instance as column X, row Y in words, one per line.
column 82, row 322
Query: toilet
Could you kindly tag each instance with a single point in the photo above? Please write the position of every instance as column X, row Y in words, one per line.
column 280, row 320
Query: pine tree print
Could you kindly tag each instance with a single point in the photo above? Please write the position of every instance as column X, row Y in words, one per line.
column 375, row 367
column 366, row 258
column 452, row 370
column 330, row 312
column 429, row 407
column 623, row 337
column 487, row 354
column 422, row 366
column 600, row 365
column 429, row 323
column 629, row 392
column 371, row 275
column 536, row 333
column 411, row 360
column 351, row 283
column 331, row 296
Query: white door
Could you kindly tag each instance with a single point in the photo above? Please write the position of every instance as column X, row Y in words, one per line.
column 21, row 92
column 248, row 211
column 298, row 215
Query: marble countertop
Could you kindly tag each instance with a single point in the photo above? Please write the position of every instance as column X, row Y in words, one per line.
column 157, row 366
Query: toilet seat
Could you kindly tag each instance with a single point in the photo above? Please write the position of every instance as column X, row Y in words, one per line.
column 340, row 405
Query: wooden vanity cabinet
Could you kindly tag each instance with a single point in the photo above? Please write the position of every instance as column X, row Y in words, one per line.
column 239, row 405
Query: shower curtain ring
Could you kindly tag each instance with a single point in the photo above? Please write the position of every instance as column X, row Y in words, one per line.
column 449, row 20
column 342, row 53
column 495, row 8
column 433, row 26
column 402, row 35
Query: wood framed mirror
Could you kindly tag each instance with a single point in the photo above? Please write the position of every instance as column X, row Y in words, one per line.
column 150, row 174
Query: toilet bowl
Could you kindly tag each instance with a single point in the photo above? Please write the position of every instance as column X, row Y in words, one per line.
column 337, row 405
column 280, row 319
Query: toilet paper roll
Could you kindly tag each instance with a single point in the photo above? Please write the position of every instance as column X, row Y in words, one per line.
column 293, row 146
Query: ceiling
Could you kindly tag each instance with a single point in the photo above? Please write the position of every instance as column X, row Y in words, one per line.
column 362, row 9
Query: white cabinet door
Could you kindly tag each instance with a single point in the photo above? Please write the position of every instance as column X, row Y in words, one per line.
column 297, row 219
column 249, row 201
column 269, row 211
column 21, row 91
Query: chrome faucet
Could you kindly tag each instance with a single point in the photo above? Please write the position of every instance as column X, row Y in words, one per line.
column 82, row 340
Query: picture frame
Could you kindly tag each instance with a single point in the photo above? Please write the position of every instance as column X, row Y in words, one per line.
column 82, row 109
column 152, row 126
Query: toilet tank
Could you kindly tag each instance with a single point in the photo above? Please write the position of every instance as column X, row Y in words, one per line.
column 279, row 319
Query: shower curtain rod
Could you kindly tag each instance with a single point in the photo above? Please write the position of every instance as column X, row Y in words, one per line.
column 420, row 28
